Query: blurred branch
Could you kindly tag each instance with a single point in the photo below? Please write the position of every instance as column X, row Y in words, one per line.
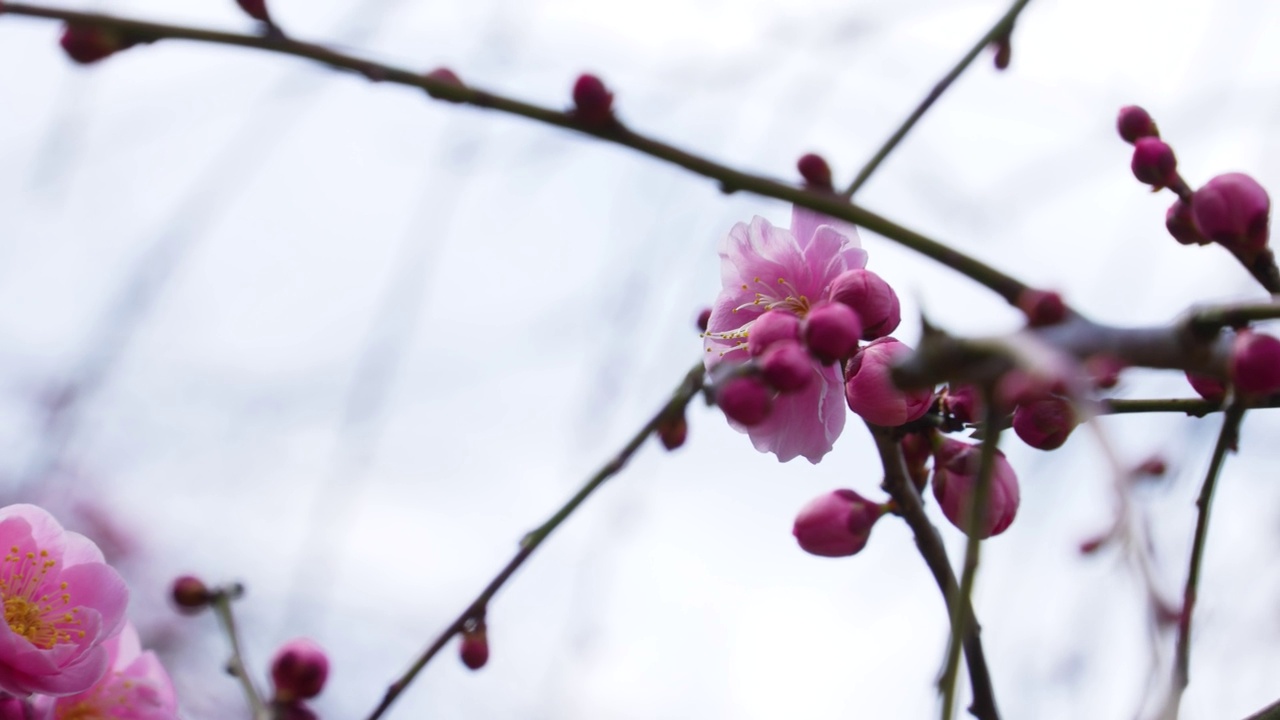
column 1001, row 30
column 220, row 600
column 1227, row 439
column 898, row 484
column 977, row 520
column 730, row 180
column 684, row 394
column 1270, row 712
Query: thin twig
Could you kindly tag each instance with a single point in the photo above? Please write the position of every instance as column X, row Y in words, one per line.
column 1270, row 712
column 221, row 600
column 1182, row 660
column 977, row 520
column 683, row 395
column 730, row 180
column 898, row 484
column 1002, row 28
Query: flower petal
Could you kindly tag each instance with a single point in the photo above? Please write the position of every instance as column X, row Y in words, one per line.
column 804, row 423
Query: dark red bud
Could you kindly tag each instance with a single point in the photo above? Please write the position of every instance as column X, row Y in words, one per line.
column 1042, row 308
column 1004, row 53
column 815, row 171
column 1181, row 224
column 299, row 670
column 190, row 594
column 592, row 101
column 1154, row 466
column 444, row 76
column 256, row 9
column 474, row 650
column 673, row 431
column 1134, row 123
column 1154, row 162
column 87, row 44
column 704, row 317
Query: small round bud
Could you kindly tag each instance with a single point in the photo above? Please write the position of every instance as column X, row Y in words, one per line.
column 474, row 649
column 1042, row 308
column 1154, row 162
column 190, row 594
column 446, row 77
column 786, row 367
column 704, row 317
column 1181, row 224
column 673, row 431
column 1208, row 387
column 836, row 524
column 592, row 101
column 1233, row 210
column 871, row 297
column 955, row 483
column 1255, row 363
column 772, row 327
column 299, row 670
column 87, row 44
column 745, row 400
column 1003, row 53
column 815, row 171
column 831, row 331
column 1045, row 424
column 1134, row 124
column 256, row 9
column 870, row 391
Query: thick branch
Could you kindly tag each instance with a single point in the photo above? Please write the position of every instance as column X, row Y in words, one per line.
column 899, row 486
column 683, row 395
column 730, row 180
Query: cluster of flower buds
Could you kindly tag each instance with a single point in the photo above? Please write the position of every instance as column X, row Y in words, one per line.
column 1232, row 210
column 299, row 670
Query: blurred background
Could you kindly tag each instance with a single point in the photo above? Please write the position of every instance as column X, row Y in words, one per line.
column 260, row 321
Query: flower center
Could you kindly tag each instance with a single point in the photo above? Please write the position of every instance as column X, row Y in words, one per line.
column 781, row 295
column 29, row 610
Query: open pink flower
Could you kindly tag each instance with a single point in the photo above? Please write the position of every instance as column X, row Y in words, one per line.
column 135, row 688
column 764, row 268
column 61, row 603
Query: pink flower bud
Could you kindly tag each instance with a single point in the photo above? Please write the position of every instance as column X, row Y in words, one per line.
column 870, row 391
column 831, row 331
column 1255, row 363
column 1134, row 124
column 1045, row 424
column 815, row 171
column 474, row 650
column 1003, row 52
column 771, row 327
column 786, row 367
column 190, row 594
column 1154, row 163
column 1233, row 210
column 955, row 482
column 299, row 670
column 1103, row 370
column 1042, row 308
column 1209, row 388
column 673, row 431
column 592, row 101
column 447, row 77
column 745, row 400
column 704, row 317
column 256, row 9
column 963, row 402
column 871, row 297
column 836, row 524
column 87, row 44
column 1181, row 224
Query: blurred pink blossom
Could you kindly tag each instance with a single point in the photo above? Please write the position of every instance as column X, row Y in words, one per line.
column 135, row 688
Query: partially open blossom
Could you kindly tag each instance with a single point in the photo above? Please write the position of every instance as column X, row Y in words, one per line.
column 872, row 298
column 136, row 687
column 831, row 330
column 592, row 101
column 786, row 367
column 955, row 483
column 1181, row 224
column 765, row 268
column 836, row 524
column 1233, row 210
column 61, row 601
column 745, row 400
column 1255, row 363
column 1134, row 124
column 815, row 171
column 870, row 391
column 1154, row 162
column 1046, row 423
column 772, row 327
column 299, row 670
column 1207, row 387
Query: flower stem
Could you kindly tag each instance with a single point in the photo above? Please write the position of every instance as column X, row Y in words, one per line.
column 1227, row 438
column 221, row 602
column 977, row 520
column 1001, row 29
column 730, row 180
column 898, row 484
column 684, row 394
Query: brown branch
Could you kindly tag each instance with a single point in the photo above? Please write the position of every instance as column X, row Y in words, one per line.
column 683, row 395
column 898, row 484
column 730, row 180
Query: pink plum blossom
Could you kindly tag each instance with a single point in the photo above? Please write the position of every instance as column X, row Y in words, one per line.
column 836, row 524
column 955, row 483
column 135, row 688
column 871, row 392
column 765, row 268
column 61, row 602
